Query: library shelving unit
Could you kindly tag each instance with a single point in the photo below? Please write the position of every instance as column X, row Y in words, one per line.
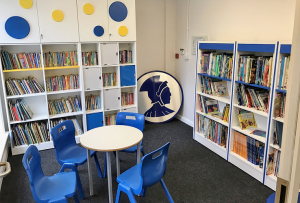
column 218, row 48
column 90, row 83
column 284, row 50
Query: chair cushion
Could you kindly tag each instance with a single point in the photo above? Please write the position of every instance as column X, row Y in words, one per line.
column 75, row 155
column 57, row 186
column 131, row 178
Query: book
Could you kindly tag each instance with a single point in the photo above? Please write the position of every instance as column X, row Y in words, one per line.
column 109, row 79
column 261, row 133
column 23, row 86
column 64, row 82
column 221, row 88
column 57, row 59
column 63, row 105
column 212, row 106
column 92, row 102
column 127, row 98
column 110, row 119
column 89, row 58
column 246, row 119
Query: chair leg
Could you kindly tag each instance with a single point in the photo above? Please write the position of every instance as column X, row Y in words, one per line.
column 118, row 195
column 105, row 166
column 76, row 198
column 166, row 191
column 143, row 193
column 97, row 165
column 143, row 151
column 79, row 186
column 126, row 190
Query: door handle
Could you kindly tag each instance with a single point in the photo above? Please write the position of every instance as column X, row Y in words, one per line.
column 8, row 170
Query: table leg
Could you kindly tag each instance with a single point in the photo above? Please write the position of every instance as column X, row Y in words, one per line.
column 109, row 179
column 138, row 153
column 118, row 163
column 90, row 172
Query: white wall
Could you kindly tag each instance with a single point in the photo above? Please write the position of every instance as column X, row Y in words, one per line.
column 225, row 20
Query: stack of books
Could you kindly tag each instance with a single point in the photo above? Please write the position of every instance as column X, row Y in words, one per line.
column 109, row 79
column 23, row 86
column 248, row 148
column 284, row 70
column 55, row 59
column 20, row 60
column 253, row 98
column 110, row 119
column 30, row 133
column 78, row 129
column 64, row 105
column 127, row 98
column 255, row 70
column 213, row 87
column 219, row 65
column 89, row 58
column 64, row 82
column 92, row 102
column 279, row 105
column 273, row 163
column 19, row 110
column 125, row 56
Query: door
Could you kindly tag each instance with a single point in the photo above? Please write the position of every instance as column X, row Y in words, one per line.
column 92, row 78
column 122, row 23
column 11, row 8
column 93, row 20
column 111, row 99
column 127, row 75
column 94, row 120
column 58, row 20
column 109, row 54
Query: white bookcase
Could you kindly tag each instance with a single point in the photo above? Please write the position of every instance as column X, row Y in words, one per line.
column 264, row 120
column 91, row 82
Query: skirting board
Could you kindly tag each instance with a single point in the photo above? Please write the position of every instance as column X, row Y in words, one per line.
column 185, row 120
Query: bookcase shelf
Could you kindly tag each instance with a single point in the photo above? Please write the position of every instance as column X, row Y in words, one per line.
column 93, row 111
column 128, row 106
column 64, row 91
column 26, row 95
column 253, row 85
column 20, row 70
column 248, row 133
column 34, row 118
column 66, row 114
column 214, row 118
column 253, row 110
column 221, row 99
column 60, row 67
column 279, row 90
column 274, row 146
column 211, row 76
column 279, row 119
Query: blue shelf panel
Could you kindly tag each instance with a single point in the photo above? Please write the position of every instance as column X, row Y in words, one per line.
column 257, row 47
column 217, row 46
column 279, row 90
column 211, row 76
column 253, row 85
column 285, row 48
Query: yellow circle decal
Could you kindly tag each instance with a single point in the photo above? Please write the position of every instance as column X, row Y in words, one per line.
column 123, row 31
column 57, row 15
column 88, row 9
column 26, row 3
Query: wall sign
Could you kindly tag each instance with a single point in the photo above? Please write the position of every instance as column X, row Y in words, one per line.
column 160, row 96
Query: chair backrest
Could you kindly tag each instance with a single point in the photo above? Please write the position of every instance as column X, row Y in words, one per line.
column 63, row 140
column 32, row 164
column 131, row 119
column 153, row 166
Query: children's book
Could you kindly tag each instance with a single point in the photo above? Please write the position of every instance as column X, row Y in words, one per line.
column 212, row 106
column 221, row 88
column 261, row 133
column 247, row 120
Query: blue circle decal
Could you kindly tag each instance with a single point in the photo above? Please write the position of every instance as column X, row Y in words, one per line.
column 118, row 11
column 17, row 27
column 160, row 96
column 98, row 31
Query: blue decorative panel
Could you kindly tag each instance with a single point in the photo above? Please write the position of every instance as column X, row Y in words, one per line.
column 286, row 48
column 98, row 31
column 216, row 46
column 118, row 11
column 94, row 120
column 17, row 27
column 257, row 47
column 127, row 75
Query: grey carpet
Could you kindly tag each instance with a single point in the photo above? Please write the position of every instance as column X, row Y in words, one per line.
column 194, row 173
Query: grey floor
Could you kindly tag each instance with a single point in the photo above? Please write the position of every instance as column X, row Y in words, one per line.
column 194, row 173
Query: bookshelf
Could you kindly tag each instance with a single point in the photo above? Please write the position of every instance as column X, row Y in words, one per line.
column 90, row 78
column 265, row 118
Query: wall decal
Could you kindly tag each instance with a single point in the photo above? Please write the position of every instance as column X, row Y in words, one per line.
column 88, row 9
column 57, row 15
column 123, row 31
column 98, row 31
column 17, row 27
column 118, row 11
column 27, row 4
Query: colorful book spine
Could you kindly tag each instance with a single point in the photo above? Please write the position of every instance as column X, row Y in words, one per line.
column 110, row 119
column 58, row 83
column 23, row 86
column 89, row 58
column 57, row 59
column 92, row 102
column 127, row 98
column 20, row 60
column 62, row 105
column 109, row 79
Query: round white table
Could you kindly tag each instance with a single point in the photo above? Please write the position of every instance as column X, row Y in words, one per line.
column 109, row 139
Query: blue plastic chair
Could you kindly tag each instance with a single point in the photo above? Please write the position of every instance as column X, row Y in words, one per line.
column 271, row 198
column 135, row 120
column 56, row 188
column 68, row 153
column 149, row 172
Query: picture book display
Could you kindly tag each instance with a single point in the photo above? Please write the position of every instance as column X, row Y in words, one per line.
column 55, row 122
column 89, row 58
column 216, row 64
column 20, row 60
column 64, row 82
column 92, row 102
column 255, row 70
column 125, row 56
column 246, row 119
column 213, row 86
column 19, row 110
column 23, row 86
column 56, row 59
column 62, row 105
column 30, row 133
column 279, row 105
column 110, row 119
column 127, row 98
column 283, row 74
column 109, row 79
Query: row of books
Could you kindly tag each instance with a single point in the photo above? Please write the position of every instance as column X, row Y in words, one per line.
column 213, row 86
column 20, row 60
column 127, row 98
column 255, row 70
column 109, row 79
column 212, row 130
column 279, row 105
column 30, row 133
column 273, row 163
column 23, row 86
column 89, row 58
column 55, row 59
column 92, row 102
column 277, row 133
column 219, row 65
column 253, row 97
column 78, row 129
column 64, row 82
column 110, row 119
column 248, row 148
column 283, row 74
column 125, row 56
column 62, row 105
column 19, row 110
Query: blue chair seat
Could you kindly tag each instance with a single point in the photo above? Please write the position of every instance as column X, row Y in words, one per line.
column 271, row 198
column 130, row 178
column 57, row 186
column 75, row 154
